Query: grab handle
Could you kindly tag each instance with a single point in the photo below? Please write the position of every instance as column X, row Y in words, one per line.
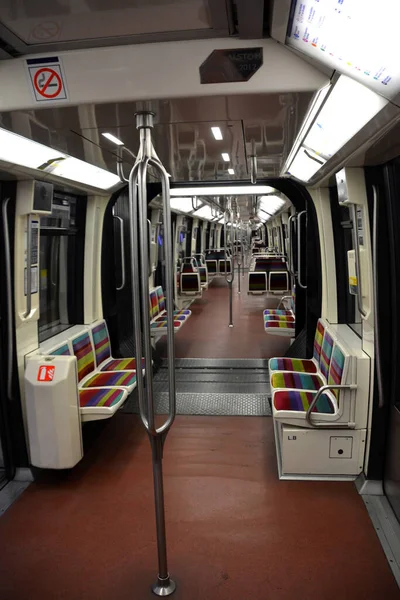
column 28, row 268
column 299, row 241
column 357, row 261
column 121, row 231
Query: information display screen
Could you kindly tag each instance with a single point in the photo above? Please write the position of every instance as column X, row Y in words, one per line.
column 356, row 37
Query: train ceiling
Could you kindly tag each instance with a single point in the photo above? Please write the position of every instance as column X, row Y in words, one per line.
column 262, row 125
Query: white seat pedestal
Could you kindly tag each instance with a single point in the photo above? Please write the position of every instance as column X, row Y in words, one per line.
column 52, row 410
column 319, row 454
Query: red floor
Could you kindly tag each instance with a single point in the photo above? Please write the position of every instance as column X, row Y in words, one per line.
column 234, row 531
column 207, row 335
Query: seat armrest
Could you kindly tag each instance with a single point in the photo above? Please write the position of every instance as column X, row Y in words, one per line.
column 325, row 388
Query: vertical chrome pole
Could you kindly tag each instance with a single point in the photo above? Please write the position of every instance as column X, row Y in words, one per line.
column 139, row 236
column 228, row 279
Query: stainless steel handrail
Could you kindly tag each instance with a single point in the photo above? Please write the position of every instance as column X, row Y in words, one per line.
column 139, row 235
column 229, row 280
column 150, row 267
column 10, row 329
column 291, row 258
column 324, row 388
column 121, row 230
column 377, row 330
column 28, row 267
column 357, row 261
column 303, row 212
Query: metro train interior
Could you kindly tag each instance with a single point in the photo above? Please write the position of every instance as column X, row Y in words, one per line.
column 200, row 270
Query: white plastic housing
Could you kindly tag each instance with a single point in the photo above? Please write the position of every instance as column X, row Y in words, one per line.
column 52, row 410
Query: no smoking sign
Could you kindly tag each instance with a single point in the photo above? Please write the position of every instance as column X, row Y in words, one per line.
column 47, row 79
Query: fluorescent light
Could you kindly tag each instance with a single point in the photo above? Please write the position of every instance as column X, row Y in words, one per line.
column 113, row 139
column 231, row 171
column 223, row 190
column 303, row 167
column 225, row 156
column 18, row 150
column 217, row 133
column 204, row 212
column 348, row 108
column 271, row 204
column 182, row 204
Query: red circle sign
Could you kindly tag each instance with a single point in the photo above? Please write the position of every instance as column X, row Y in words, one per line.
column 48, row 78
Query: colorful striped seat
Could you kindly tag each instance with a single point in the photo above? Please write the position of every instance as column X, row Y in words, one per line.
column 336, row 368
column 326, row 353
column 282, row 324
column 299, row 401
column 62, row 350
column 297, row 381
column 301, row 365
column 178, row 313
column 83, row 350
column 276, row 311
column 163, row 324
column 176, row 318
column 102, row 350
column 284, row 318
column 96, row 398
column 121, row 364
column 111, row 379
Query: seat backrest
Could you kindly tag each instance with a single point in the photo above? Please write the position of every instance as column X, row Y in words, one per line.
column 203, row 274
column 101, row 341
column 161, row 299
column 153, row 304
column 319, row 336
column 338, row 367
column 278, row 281
column 257, row 281
column 190, row 283
column 211, row 265
column 326, row 354
column 83, row 350
column 61, row 350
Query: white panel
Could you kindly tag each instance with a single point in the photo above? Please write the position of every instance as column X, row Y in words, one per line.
column 53, row 417
column 309, row 451
column 157, row 71
column 321, row 201
column 93, row 308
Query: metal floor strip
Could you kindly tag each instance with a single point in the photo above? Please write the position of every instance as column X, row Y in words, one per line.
column 225, row 363
column 214, row 404
column 387, row 529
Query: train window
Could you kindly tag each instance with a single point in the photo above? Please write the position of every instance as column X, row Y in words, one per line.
column 61, row 267
column 342, row 228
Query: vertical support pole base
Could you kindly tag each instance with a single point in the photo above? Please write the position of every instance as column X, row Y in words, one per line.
column 163, row 587
column 230, row 325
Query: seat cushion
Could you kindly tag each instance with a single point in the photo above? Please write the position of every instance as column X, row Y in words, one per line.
column 121, row 364
column 297, row 381
column 293, row 364
column 276, row 311
column 163, row 324
column 176, row 318
column 297, row 400
column 283, row 324
column 122, row 378
column 107, row 397
column 178, row 313
column 287, row 318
